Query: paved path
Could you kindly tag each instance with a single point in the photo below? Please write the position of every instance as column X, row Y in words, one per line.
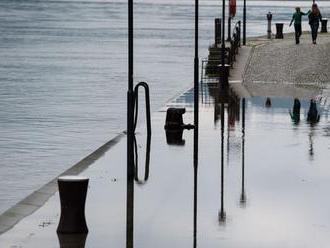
column 284, row 61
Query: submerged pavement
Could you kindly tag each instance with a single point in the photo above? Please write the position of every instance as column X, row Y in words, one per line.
column 275, row 187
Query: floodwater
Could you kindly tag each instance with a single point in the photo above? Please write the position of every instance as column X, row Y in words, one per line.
column 63, row 75
column 263, row 180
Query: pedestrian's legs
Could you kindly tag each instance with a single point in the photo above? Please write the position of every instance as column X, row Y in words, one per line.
column 297, row 30
column 314, row 28
column 300, row 30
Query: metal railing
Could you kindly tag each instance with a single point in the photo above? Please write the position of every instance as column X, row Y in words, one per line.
column 148, row 141
column 210, row 66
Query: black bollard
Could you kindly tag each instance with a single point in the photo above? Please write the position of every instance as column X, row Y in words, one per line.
column 324, row 24
column 279, row 30
column 174, row 126
column 73, row 191
column 269, row 27
column 217, row 31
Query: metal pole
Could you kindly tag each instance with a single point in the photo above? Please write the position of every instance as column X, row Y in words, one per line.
column 229, row 23
column 196, row 122
column 244, row 23
column 130, row 134
column 223, row 46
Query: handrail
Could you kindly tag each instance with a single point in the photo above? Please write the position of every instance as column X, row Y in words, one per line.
column 148, row 120
column 237, row 33
column 147, row 100
column 209, row 65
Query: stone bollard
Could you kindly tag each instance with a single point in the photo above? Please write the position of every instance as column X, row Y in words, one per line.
column 217, row 31
column 73, row 191
column 279, row 30
column 269, row 28
column 324, row 24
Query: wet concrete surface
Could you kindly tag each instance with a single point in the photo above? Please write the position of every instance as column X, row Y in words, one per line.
column 273, row 193
column 286, row 179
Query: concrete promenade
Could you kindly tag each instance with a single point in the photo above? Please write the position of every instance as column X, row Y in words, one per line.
column 164, row 205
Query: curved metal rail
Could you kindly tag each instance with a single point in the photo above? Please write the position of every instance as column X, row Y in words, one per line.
column 148, row 122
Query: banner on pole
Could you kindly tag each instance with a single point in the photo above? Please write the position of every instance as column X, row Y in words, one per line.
column 232, row 6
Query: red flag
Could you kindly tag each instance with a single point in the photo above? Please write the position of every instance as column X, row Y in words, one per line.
column 232, row 6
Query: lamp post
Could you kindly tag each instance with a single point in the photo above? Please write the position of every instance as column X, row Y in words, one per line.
column 130, row 134
column 223, row 45
column 196, row 109
column 244, row 22
column 229, row 23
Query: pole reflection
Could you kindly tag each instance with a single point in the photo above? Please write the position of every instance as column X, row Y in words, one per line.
column 222, row 213
column 243, row 194
column 310, row 138
column 72, row 240
column 130, row 190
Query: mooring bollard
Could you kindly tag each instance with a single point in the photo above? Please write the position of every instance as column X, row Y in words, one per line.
column 73, row 191
column 217, row 31
column 324, row 24
column 279, row 30
column 174, row 126
column 269, row 28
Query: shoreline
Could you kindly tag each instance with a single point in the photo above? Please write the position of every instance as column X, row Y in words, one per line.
column 38, row 198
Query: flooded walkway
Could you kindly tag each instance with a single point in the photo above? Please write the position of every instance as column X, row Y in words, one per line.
column 268, row 172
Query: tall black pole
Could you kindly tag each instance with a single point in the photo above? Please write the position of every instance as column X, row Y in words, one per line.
column 130, row 134
column 223, row 45
column 244, row 23
column 196, row 109
column 229, row 22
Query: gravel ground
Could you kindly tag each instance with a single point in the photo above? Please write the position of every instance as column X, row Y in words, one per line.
column 282, row 61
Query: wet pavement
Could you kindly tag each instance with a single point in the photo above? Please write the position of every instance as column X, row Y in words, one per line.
column 275, row 182
column 263, row 178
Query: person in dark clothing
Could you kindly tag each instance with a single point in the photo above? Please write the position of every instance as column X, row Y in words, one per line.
column 268, row 102
column 296, row 18
column 295, row 115
column 315, row 18
column 313, row 115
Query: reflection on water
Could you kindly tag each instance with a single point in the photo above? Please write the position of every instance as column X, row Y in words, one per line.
column 222, row 213
column 261, row 168
column 72, row 240
column 250, row 194
column 266, row 117
column 243, row 194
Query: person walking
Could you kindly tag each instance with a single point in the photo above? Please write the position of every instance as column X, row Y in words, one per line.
column 296, row 18
column 314, row 20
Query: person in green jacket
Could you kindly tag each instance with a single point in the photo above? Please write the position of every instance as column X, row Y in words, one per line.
column 296, row 18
